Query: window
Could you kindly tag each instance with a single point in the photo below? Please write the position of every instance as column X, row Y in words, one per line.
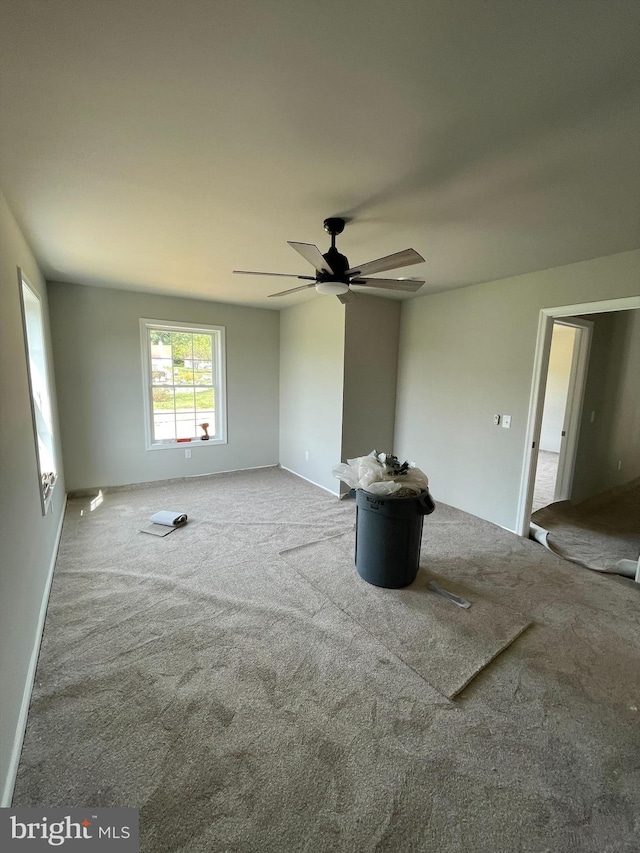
column 185, row 396
column 40, row 390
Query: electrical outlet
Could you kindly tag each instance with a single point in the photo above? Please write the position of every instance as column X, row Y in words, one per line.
column 506, row 421
column 619, row 464
column 187, row 453
column 496, row 420
column 306, row 455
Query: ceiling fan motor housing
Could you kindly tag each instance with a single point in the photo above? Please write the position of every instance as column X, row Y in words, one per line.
column 339, row 264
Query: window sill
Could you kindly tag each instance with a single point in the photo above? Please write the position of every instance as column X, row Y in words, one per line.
column 186, row 445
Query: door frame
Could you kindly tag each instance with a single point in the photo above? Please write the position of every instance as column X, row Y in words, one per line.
column 536, row 399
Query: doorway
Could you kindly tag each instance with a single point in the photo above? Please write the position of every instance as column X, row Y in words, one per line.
column 548, row 316
column 563, row 396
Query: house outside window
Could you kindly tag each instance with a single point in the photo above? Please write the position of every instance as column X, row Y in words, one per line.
column 184, row 384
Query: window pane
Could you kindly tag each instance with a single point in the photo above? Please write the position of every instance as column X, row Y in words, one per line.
column 202, row 347
column 182, row 352
column 203, row 373
column 162, row 399
column 181, row 343
column 185, row 425
column 163, row 414
column 185, row 401
column 164, row 426
column 160, row 343
column 204, row 399
column 182, row 372
column 161, row 371
column 160, row 338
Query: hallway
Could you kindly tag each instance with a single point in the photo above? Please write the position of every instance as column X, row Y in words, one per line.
column 546, row 473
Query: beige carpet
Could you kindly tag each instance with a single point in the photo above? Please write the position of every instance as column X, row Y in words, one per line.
column 443, row 643
column 202, row 679
column 598, row 532
column 545, row 481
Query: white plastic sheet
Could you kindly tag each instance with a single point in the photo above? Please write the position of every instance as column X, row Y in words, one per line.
column 381, row 474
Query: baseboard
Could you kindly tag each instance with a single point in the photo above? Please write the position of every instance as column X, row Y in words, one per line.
column 313, row 482
column 12, row 771
column 150, row 484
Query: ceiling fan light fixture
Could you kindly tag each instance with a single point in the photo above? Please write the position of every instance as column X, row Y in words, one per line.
column 332, row 288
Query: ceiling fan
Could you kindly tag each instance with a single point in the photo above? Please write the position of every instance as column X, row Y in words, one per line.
column 335, row 276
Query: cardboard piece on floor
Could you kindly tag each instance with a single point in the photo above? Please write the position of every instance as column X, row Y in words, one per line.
column 158, row 529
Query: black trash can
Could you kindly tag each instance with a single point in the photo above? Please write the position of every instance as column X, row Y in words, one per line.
column 388, row 537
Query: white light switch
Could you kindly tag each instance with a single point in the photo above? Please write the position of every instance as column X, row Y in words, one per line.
column 506, row 421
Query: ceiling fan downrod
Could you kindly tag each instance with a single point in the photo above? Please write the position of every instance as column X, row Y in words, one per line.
column 334, row 225
column 339, row 263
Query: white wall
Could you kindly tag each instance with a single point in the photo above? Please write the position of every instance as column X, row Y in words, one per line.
column 96, row 343
column 612, row 393
column 27, row 539
column 468, row 354
column 372, row 333
column 557, row 390
column 311, row 388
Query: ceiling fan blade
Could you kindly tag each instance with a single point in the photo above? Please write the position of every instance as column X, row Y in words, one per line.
column 312, row 253
column 389, row 262
column 281, row 274
column 409, row 284
column 349, row 296
column 404, row 278
column 294, row 289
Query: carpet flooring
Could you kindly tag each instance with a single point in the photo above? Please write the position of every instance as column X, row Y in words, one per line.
column 545, row 482
column 446, row 645
column 598, row 532
column 242, row 705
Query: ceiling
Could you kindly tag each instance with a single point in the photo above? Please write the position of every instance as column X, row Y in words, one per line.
column 159, row 144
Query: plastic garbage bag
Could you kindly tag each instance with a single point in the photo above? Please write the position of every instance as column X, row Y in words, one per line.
column 356, row 472
column 381, row 474
column 384, row 487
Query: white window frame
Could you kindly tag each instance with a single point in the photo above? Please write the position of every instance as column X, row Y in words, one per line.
column 40, row 392
column 219, row 382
